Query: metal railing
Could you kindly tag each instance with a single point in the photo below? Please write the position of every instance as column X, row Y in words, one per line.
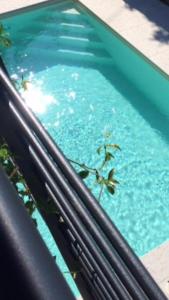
column 107, row 267
column 28, row 271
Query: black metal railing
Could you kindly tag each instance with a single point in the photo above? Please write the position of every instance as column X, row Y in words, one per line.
column 107, row 267
column 28, row 271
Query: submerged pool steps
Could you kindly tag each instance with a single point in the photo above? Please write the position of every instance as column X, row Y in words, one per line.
column 69, row 55
column 71, row 15
column 68, row 36
column 83, row 43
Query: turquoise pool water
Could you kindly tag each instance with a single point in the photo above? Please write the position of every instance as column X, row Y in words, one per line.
column 85, row 81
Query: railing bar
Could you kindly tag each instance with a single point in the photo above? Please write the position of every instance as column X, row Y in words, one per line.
column 39, row 148
column 85, row 250
column 119, row 266
column 97, row 283
column 74, row 221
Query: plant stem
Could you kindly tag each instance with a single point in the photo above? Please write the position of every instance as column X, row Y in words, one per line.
column 14, row 171
column 83, row 166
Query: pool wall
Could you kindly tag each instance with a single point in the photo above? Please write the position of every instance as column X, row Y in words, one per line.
column 145, row 76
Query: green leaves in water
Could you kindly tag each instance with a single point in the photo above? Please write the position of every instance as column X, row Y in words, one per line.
column 30, row 206
column 7, row 160
column 4, row 37
column 84, row 174
column 108, row 156
column 104, row 176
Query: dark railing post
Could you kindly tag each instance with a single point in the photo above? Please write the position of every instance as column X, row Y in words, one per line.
column 28, row 271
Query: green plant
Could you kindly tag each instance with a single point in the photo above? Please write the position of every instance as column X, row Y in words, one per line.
column 104, row 173
column 7, row 160
column 4, row 37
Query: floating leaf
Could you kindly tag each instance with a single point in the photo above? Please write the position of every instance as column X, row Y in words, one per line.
column 83, row 174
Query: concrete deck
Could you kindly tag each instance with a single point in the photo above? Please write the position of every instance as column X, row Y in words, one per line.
column 157, row 263
column 144, row 24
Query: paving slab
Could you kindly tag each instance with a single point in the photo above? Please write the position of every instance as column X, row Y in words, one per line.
column 9, row 5
column 157, row 263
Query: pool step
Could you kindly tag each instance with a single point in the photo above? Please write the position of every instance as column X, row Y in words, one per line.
column 83, row 43
column 71, row 16
column 68, row 16
column 70, row 44
column 56, row 39
column 99, row 55
column 70, row 55
column 67, row 42
column 69, row 28
column 68, row 36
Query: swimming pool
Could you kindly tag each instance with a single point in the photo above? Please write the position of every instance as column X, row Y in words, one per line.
column 87, row 81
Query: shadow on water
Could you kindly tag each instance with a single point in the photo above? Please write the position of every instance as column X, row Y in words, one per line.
column 157, row 12
column 138, row 100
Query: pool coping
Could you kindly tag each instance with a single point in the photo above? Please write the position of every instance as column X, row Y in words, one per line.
column 159, row 271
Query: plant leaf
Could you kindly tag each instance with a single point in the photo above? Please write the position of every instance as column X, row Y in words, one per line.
column 1, row 29
column 108, row 156
column 74, row 275
column 6, row 42
column 30, row 206
column 114, row 146
column 111, row 189
column 112, row 182
column 83, row 174
column 111, row 174
column 25, row 84
column 99, row 149
column 115, row 181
